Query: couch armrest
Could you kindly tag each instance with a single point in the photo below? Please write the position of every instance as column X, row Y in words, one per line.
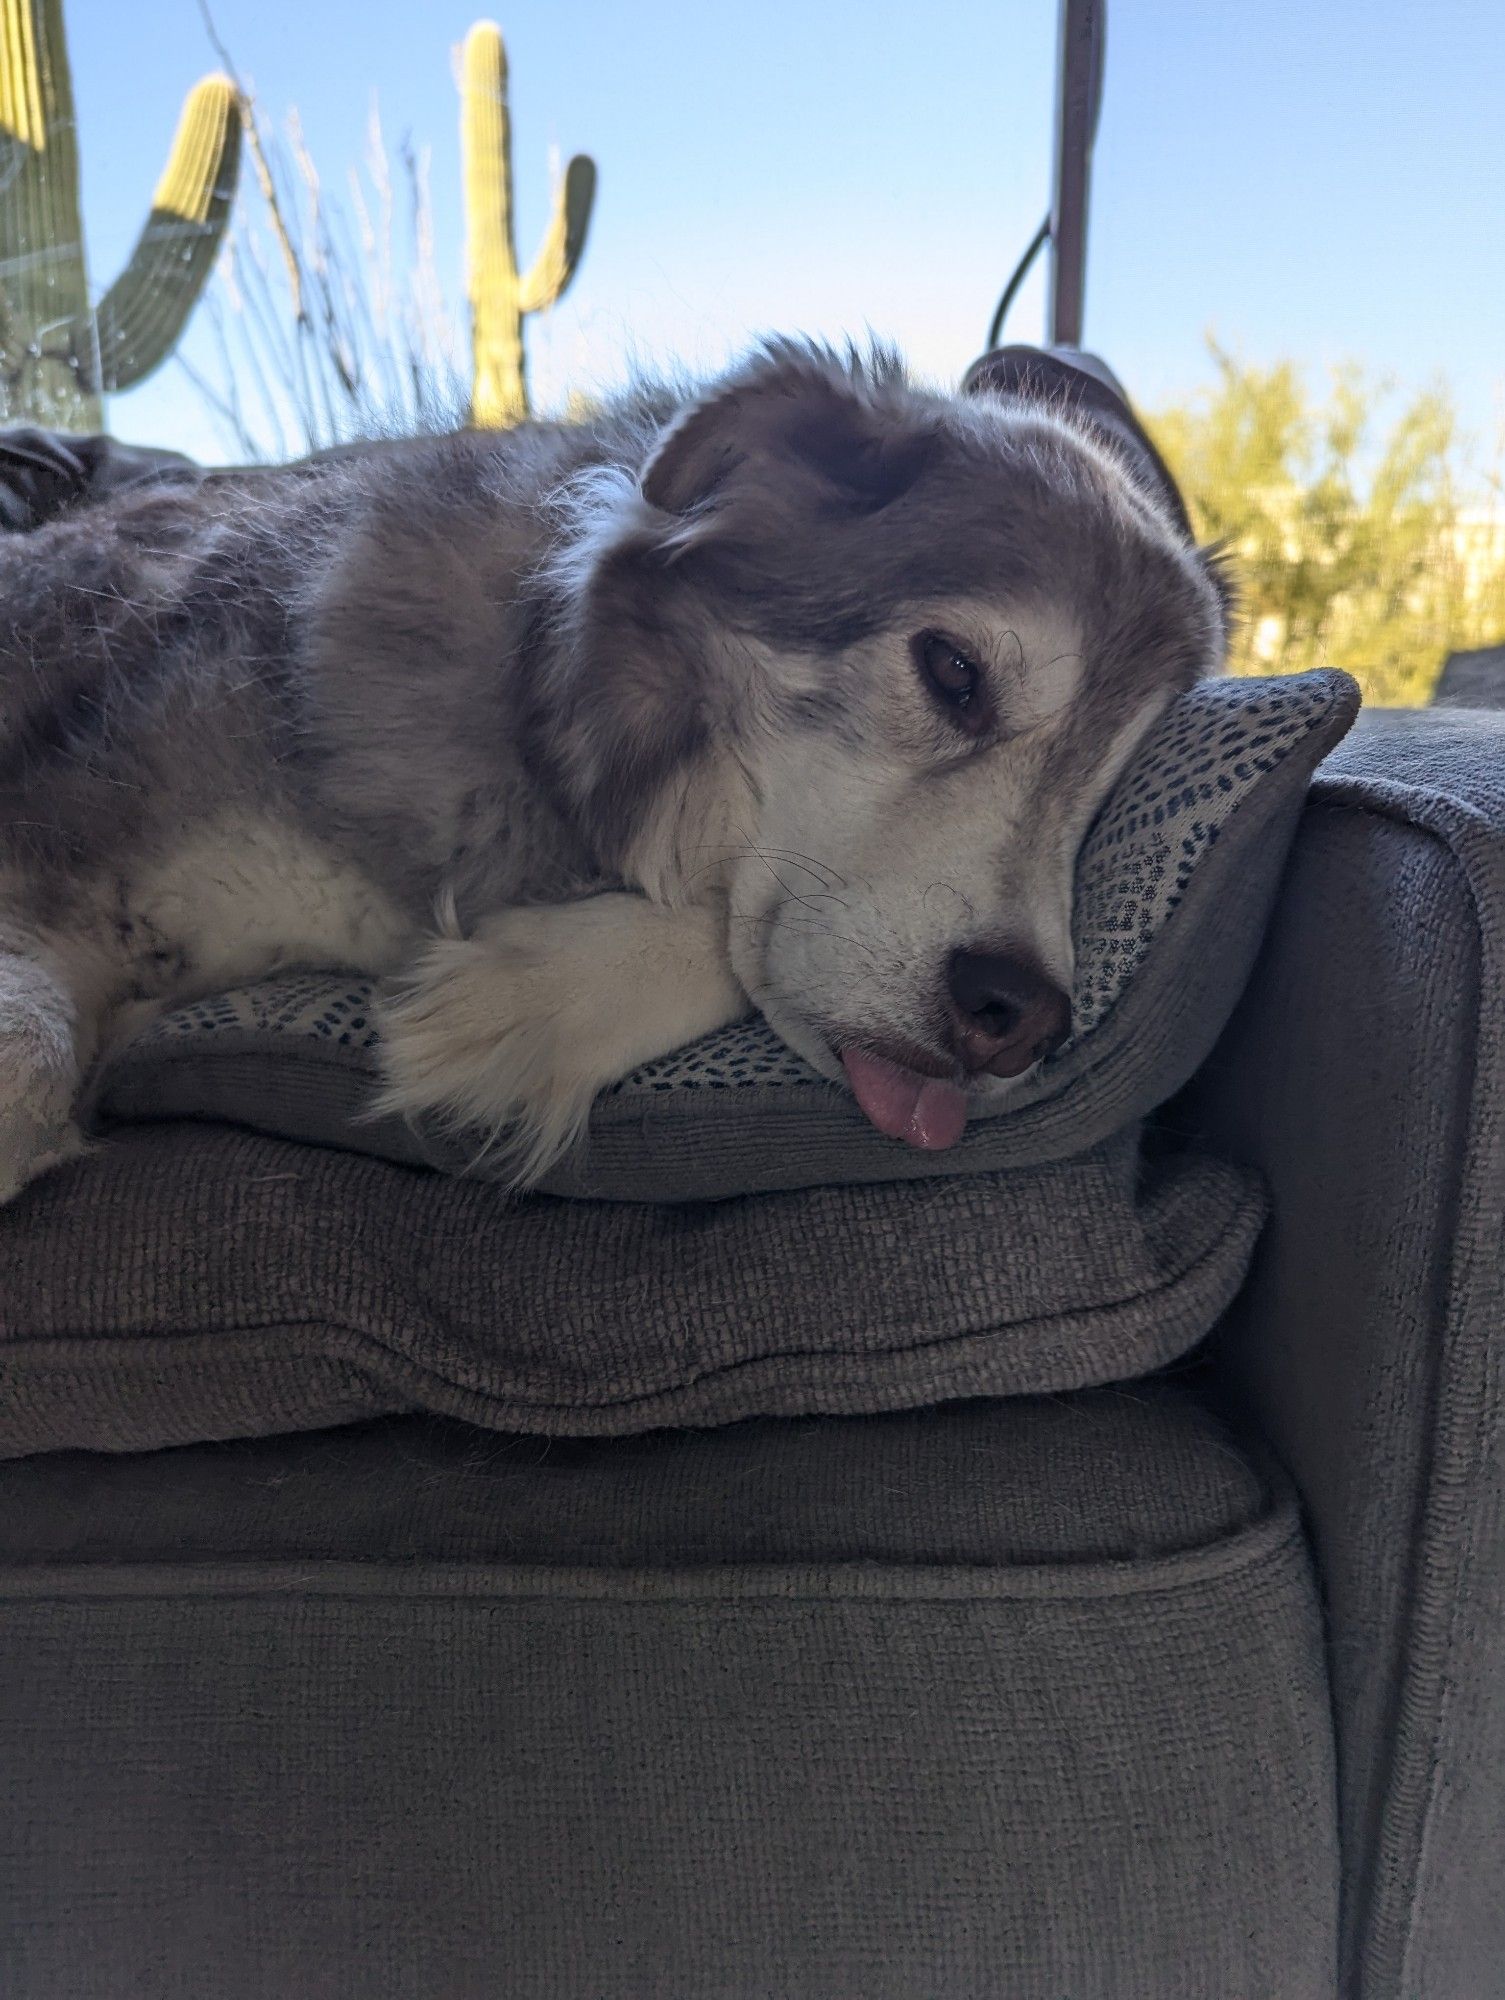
column 1365, row 1074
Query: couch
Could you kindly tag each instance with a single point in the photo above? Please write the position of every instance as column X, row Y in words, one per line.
column 1190, row 1688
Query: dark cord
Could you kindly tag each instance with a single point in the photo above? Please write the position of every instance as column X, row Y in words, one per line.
column 1011, row 289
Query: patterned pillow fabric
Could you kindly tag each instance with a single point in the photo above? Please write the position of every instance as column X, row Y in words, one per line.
column 1175, row 882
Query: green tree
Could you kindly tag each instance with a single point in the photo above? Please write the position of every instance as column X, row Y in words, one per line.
column 1352, row 544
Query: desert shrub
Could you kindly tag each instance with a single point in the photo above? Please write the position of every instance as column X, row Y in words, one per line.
column 1361, row 535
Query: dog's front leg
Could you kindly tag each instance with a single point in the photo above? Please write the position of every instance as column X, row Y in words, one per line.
column 514, row 1030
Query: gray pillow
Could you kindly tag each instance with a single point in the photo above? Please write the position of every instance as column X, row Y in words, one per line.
column 1175, row 882
column 763, row 1251
column 194, row 1281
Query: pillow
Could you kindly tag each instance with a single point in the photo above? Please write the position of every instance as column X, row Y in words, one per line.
column 192, row 1281
column 1174, row 886
column 762, row 1252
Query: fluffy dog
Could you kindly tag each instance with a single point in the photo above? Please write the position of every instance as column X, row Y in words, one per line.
column 797, row 694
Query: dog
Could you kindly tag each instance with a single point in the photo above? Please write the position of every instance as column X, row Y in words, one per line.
column 793, row 693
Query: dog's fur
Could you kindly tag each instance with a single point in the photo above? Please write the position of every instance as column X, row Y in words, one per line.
column 589, row 737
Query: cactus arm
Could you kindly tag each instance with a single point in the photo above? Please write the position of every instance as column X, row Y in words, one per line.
column 36, row 88
column 141, row 315
column 559, row 257
column 498, row 391
column 44, row 283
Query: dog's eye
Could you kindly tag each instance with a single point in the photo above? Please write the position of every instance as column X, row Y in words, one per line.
column 955, row 679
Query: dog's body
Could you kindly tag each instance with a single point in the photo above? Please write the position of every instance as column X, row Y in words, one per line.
column 799, row 694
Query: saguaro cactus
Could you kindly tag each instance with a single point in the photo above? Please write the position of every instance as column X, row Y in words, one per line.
column 58, row 356
column 499, row 299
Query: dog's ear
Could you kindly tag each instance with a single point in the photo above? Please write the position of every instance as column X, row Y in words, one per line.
column 794, row 415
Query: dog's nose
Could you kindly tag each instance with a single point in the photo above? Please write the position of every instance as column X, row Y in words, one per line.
column 1006, row 1013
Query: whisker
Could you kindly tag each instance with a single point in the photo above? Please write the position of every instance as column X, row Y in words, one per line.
column 820, row 870
column 753, row 849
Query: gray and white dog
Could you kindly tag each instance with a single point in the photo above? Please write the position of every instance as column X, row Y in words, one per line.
column 795, row 694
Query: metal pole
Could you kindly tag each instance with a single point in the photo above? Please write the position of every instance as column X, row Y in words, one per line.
column 1079, row 85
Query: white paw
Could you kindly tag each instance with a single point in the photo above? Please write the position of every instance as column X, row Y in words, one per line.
column 513, row 1032
column 494, row 1045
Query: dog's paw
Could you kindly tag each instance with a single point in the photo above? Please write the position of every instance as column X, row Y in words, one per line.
column 511, row 1033
column 487, row 1038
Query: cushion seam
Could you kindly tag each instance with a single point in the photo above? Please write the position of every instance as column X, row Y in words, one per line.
column 1260, row 1543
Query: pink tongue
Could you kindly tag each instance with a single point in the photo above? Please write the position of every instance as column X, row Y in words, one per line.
column 922, row 1110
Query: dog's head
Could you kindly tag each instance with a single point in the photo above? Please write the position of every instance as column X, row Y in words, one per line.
column 867, row 660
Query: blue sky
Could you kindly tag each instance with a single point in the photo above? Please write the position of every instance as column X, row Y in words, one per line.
column 1319, row 180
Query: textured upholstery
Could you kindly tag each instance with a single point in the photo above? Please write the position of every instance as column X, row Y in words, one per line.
column 192, row 1282
column 1364, row 1073
column 1020, row 1699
